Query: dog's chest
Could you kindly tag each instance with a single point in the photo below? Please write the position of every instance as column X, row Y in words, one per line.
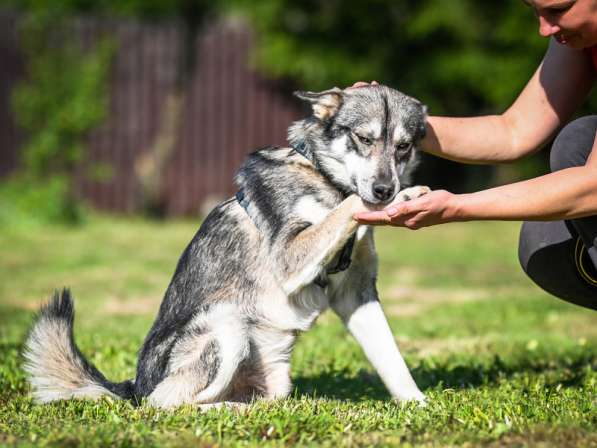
column 297, row 311
column 311, row 210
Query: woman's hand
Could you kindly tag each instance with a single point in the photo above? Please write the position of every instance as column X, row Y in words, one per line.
column 363, row 84
column 436, row 207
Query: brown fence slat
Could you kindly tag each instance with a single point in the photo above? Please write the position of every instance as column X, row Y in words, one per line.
column 229, row 110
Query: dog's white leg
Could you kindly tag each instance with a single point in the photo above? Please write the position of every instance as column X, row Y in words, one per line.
column 272, row 359
column 277, row 381
column 369, row 326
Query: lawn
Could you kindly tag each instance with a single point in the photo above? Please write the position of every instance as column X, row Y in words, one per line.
column 502, row 363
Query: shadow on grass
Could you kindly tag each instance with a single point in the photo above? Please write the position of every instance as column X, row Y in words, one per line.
column 567, row 370
column 341, row 385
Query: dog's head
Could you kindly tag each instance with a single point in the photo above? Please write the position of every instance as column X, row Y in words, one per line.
column 363, row 139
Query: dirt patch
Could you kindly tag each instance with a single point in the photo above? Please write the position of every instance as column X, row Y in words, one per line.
column 436, row 295
column 22, row 304
column 145, row 305
column 437, row 347
column 407, row 276
column 113, row 305
column 411, row 300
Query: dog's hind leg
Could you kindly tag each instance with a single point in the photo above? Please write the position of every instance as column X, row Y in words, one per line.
column 277, row 381
column 204, row 361
column 272, row 353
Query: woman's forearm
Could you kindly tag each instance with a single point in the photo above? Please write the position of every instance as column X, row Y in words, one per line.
column 565, row 194
column 475, row 140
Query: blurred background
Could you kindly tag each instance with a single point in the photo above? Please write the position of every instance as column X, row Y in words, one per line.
column 149, row 106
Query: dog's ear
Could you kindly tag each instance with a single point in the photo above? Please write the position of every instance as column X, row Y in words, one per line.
column 325, row 104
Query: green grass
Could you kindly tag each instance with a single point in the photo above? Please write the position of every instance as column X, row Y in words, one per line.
column 503, row 364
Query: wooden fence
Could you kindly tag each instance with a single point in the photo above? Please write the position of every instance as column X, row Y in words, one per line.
column 229, row 110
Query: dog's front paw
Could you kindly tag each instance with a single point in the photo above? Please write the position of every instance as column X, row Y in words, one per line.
column 411, row 193
column 416, row 397
column 356, row 204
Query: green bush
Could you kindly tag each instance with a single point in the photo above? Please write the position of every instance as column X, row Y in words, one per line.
column 460, row 57
column 26, row 202
column 63, row 97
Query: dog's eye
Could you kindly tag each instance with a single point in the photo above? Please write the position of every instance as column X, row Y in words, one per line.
column 402, row 149
column 365, row 140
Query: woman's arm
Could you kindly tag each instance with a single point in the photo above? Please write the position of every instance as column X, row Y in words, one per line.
column 565, row 194
column 556, row 90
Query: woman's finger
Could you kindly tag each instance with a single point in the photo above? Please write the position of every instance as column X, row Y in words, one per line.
column 358, row 84
column 377, row 217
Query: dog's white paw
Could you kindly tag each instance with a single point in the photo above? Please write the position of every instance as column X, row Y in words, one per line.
column 418, row 398
column 231, row 405
column 411, row 193
column 421, row 401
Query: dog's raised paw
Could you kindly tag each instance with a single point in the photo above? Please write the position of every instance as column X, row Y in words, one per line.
column 412, row 193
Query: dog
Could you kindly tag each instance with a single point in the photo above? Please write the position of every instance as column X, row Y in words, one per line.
column 263, row 266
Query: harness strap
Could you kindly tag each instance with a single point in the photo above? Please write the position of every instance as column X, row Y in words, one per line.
column 301, row 148
column 345, row 257
column 242, row 200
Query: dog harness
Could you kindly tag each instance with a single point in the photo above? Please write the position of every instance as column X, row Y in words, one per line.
column 345, row 254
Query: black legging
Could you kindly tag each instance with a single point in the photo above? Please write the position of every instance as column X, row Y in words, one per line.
column 561, row 256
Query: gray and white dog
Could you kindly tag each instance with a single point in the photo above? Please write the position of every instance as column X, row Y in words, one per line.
column 263, row 266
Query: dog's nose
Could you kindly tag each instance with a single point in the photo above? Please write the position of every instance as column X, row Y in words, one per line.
column 382, row 191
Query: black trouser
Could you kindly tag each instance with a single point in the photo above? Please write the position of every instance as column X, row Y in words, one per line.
column 561, row 256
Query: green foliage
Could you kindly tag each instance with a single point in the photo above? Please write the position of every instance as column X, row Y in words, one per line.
column 503, row 363
column 63, row 98
column 145, row 9
column 461, row 56
column 29, row 202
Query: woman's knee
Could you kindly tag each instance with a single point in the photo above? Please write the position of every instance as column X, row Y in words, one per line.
column 546, row 254
column 573, row 144
column 534, row 253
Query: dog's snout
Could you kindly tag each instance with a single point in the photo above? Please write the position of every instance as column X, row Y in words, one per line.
column 383, row 191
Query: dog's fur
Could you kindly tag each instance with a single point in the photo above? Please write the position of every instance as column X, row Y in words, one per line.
column 255, row 275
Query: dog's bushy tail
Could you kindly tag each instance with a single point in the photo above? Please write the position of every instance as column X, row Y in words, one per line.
column 55, row 367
